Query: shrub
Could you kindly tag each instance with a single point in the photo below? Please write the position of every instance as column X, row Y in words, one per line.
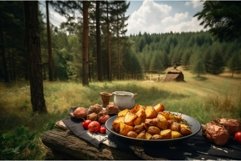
column 19, row 144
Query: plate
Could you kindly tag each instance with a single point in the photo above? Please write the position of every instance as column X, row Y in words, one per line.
column 193, row 123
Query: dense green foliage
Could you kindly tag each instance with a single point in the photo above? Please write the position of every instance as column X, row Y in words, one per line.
column 12, row 51
column 180, row 48
column 223, row 18
column 20, row 144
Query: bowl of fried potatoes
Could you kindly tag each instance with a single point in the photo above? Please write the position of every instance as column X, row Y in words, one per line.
column 152, row 124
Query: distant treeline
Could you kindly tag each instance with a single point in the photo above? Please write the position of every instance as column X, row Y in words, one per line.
column 198, row 51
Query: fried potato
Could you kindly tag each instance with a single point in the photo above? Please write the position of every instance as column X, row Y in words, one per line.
column 174, row 117
column 139, row 128
column 185, row 130
column 150, row 123
column 141, row 135
column 136, row 108
column 161, row 117
column 156, row 136
column 141, row 113
column 132, row 134
column 116, row 123
column 159, row 107
column 141, row 116
column 150, row 112
column 124, row 128
column 176, row 134
column 153, row 130
column 162, row 122
column 123, row 112
column 148, row 136
column 175, row 126
column 129, row 118
column 166, row 134
column 138, row 120
column 165, row 114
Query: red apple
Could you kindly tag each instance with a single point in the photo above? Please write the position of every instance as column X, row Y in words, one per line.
column 102, row 130
column 86, row 123
column 94, row 127
column 103, row 119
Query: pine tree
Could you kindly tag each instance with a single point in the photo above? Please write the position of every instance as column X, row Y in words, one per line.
column 198, row 66
column 33, row 48
column 50, row 57
column 85, row 46
column 156, row 64
column 234, row 63
column 217, row 63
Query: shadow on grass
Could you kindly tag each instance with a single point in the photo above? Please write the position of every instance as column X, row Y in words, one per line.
column 37, row 122
column 200, row 78
column 238, row 77
column 145, row 96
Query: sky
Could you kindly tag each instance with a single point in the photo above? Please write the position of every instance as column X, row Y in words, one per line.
column 154, row 16
column 161, row 16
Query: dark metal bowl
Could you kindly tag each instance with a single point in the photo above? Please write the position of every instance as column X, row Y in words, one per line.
column 193, row 123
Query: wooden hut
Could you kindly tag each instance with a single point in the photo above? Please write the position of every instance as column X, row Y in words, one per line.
column 174, row 75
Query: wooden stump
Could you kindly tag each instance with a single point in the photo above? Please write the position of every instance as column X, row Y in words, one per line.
column 64, row 145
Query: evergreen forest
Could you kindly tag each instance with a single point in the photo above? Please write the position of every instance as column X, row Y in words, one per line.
column 131, row 56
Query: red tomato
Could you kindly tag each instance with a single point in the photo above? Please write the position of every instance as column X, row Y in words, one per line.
column 94, row 127
column 86, row 124
column 237, row 136
column 102, row 130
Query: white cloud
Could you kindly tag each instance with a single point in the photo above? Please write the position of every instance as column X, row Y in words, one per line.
column 194, row 3
column 186, row 26
column 155, row 17
column 55, row 18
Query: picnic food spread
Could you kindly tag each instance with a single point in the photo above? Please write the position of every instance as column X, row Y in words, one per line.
column 153, row 123
column 141, row 129
column 150, row 123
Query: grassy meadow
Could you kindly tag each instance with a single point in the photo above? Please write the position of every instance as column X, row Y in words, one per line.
column 204, row 99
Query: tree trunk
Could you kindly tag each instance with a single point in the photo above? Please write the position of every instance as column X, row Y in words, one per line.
column 108, row 45
column 33, row 48
column 98, row 42
column 50, row 58
column 3, row 54
column 85, row 44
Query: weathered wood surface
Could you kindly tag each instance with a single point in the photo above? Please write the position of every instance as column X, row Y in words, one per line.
column 64, row 145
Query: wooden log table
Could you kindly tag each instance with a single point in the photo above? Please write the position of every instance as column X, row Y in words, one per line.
column 63, row 144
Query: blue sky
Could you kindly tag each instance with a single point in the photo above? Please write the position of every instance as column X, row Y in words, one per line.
column 154, row 16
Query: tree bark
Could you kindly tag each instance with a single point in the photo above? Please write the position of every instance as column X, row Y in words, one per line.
column 71, row 147
column 50, row 57
column 33, row 49
column 98, row 42
column 108, row 44
column 85, row 44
